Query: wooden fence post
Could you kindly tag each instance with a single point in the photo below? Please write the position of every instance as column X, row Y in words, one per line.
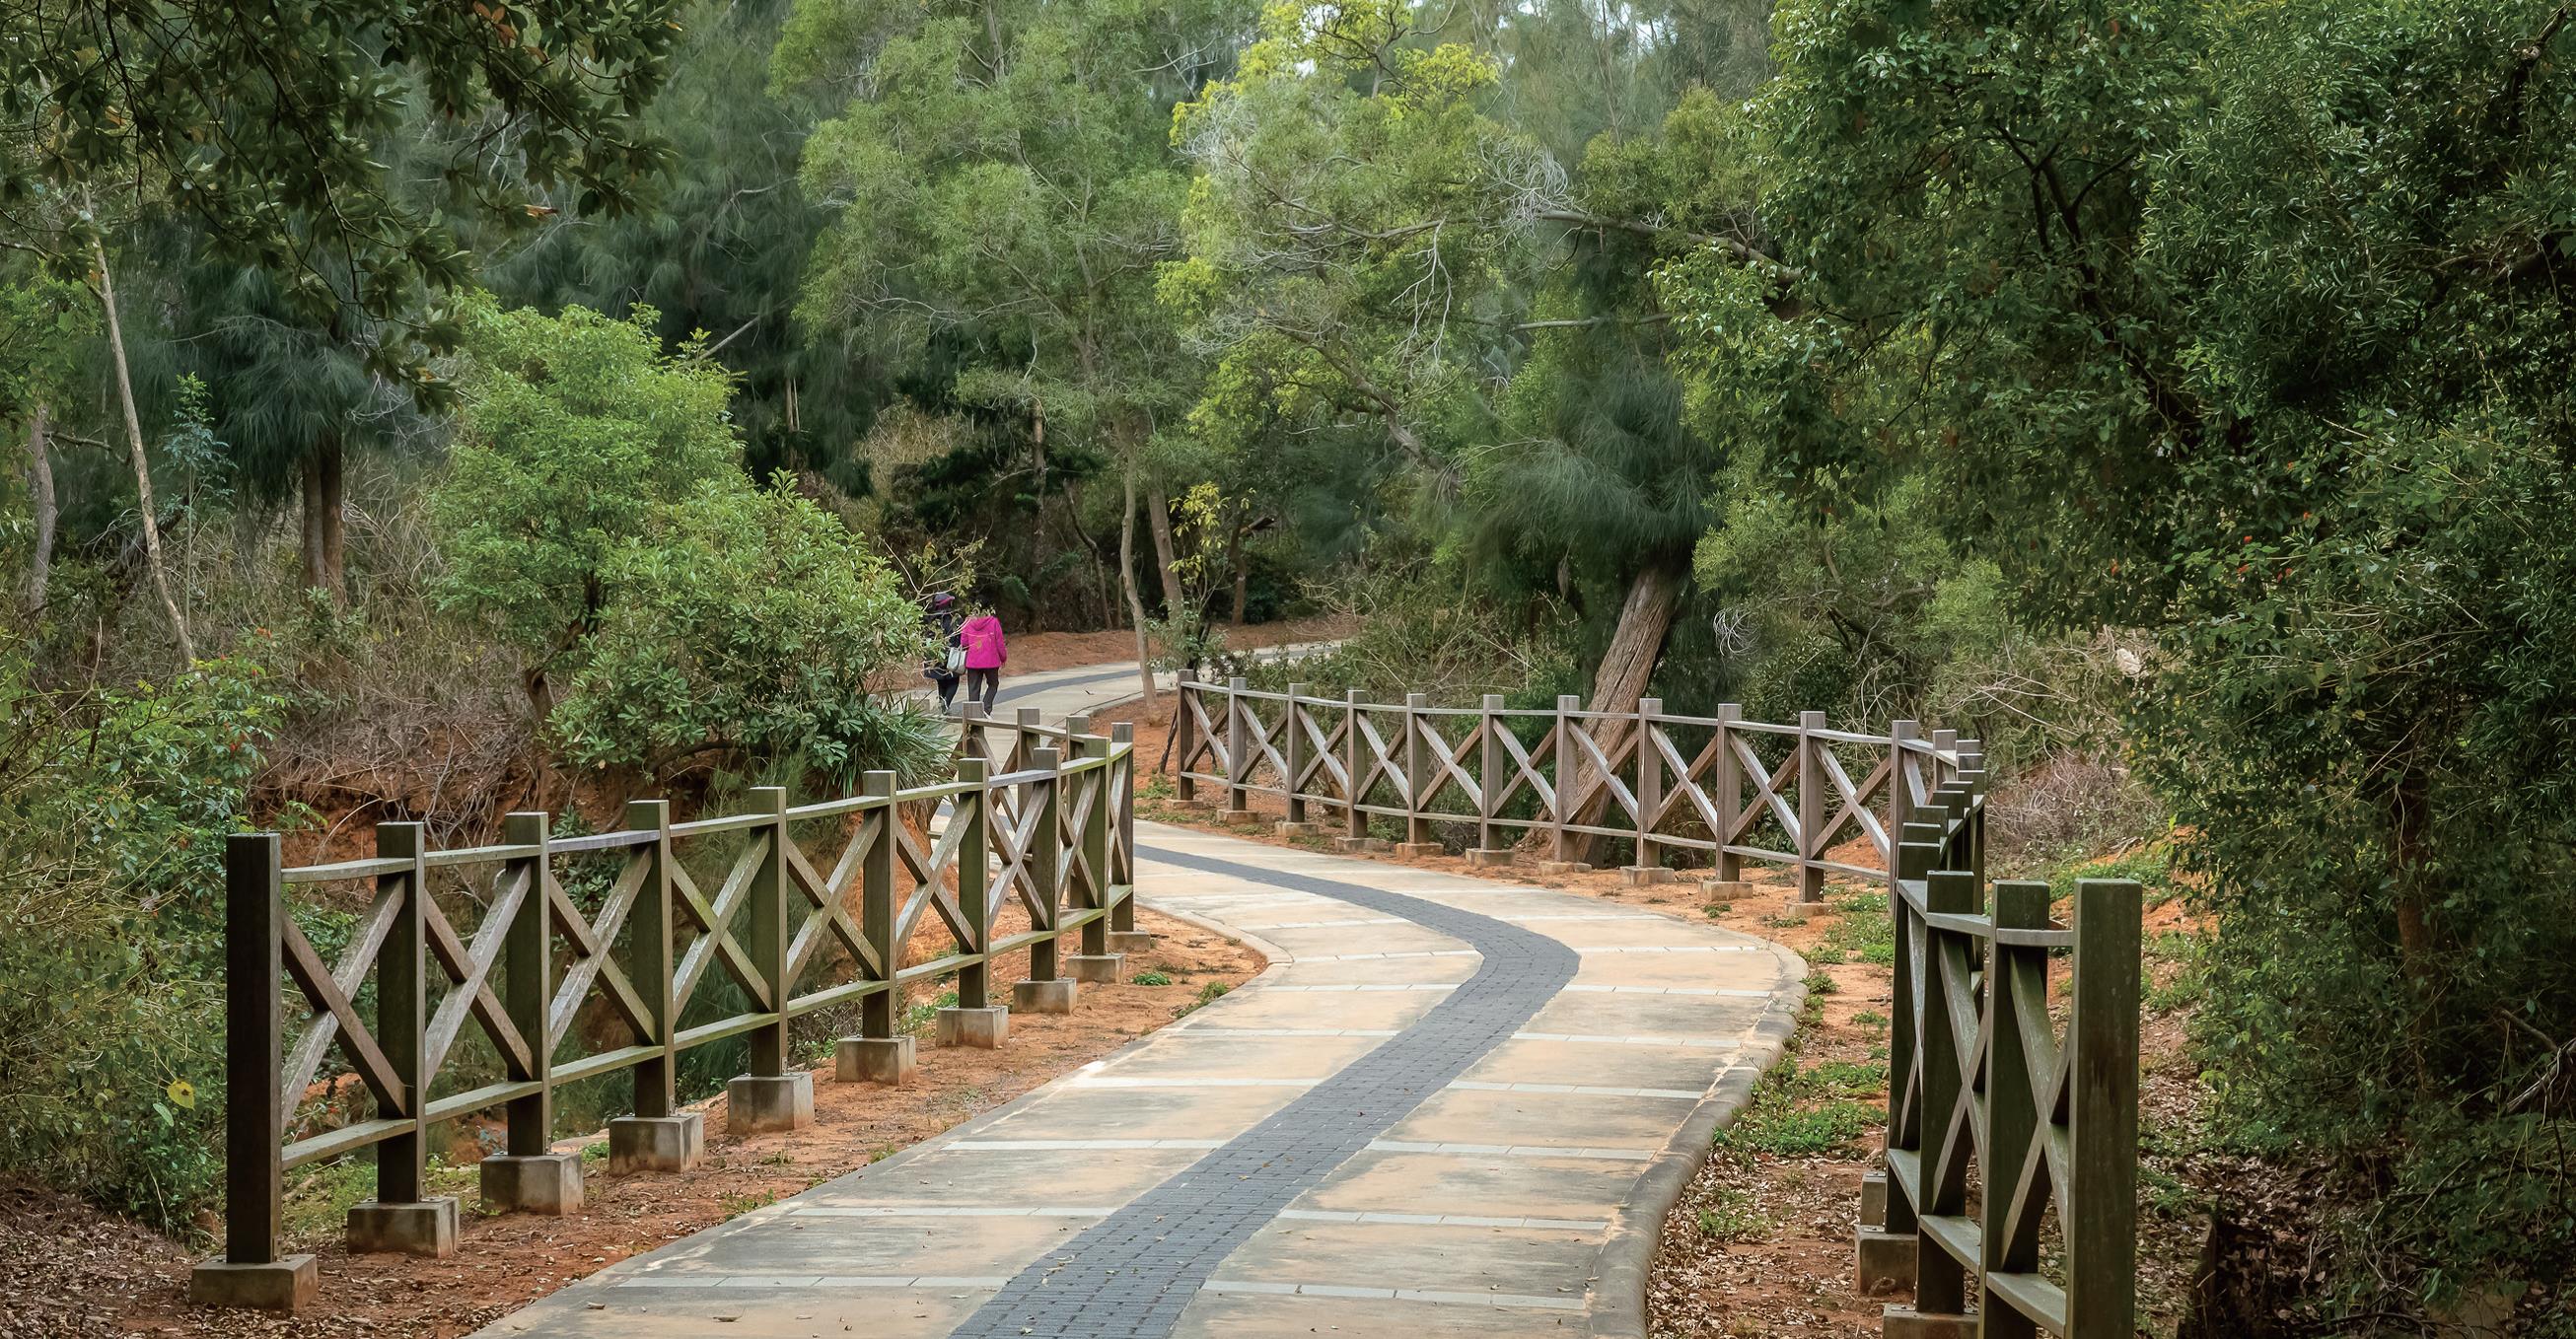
column 2016, row 977
column 1649, row 863
column 1490, row 849
column 649, row 959
column 658, row 1137
column 974, row 879
column 402, row 1012
column 1972, row 780
column 1046, row 991
column 1568, row 774
column 1900, row 794
column 1940, row 1282
column 1238, row 758
column 770, row 1098
column 1812, row 791
column 877, row 904
column 1093, row 841
column 1417, row 827
column 254, row 1057
column 1294, row 755
column 1729, row 780
column 1943, row 741
column 1026, row 734
column 1354, row 764
column 1185, row 745
column 2102, row 1111
column 531, row 1177
column 1122, row 917
column 528, row 983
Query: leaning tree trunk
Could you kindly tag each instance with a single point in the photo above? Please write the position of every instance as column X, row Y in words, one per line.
column 1127, row 583
column 1645, row 619
column 152, row 560
column 1158, row 518
column 324, row 497
column 40, row 487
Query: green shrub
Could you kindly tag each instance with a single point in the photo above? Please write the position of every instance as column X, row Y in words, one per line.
column 113, row 812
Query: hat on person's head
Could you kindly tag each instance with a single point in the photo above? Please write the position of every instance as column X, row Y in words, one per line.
column 941, row 599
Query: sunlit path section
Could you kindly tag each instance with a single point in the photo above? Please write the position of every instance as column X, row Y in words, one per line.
column 1449, row 1107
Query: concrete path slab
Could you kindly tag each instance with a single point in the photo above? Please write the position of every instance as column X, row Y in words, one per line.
column 1449, row 1107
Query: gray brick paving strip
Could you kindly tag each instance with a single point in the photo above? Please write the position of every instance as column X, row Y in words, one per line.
column 1133, row 1273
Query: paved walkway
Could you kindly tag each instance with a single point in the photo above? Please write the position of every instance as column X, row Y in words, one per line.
column 1449, row 1107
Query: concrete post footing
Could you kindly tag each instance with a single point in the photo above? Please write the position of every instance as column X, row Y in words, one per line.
column 1042, row 997
column 547, row 1183
column 1131, row 941
column 1098, row 968
column 1724, row 890
column 1560, row 868
column 985, row 1028
column 886, row 1060
column 766, row 1104
column 657, row 1143
column 1360, row 843
column 1873, row 1199
column 1287, row 829
column 1418, row 850
column 424, row 1228
column 1904, row 1322
column 1796, row 908
column 1489, row 857
column 1639, row 876
column 287, row 1283
column 1885, row 1259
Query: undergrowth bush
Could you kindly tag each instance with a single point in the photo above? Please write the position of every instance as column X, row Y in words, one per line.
column 114, row 807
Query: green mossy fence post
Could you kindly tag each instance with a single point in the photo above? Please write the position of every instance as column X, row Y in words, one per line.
column 1046, row 857
column 1814, row 792
column 1292, row 753
column 1186, row 703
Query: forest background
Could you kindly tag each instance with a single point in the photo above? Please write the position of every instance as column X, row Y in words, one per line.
column 428, row 415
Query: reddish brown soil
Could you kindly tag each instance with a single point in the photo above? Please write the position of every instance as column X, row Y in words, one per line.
column 67, row 1271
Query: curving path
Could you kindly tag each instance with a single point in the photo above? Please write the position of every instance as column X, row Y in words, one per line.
column 1449, row 1107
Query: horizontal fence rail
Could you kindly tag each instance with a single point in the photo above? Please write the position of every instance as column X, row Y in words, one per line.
column 556, row 957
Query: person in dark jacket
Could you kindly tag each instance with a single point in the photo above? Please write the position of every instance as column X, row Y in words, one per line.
column 947, row 655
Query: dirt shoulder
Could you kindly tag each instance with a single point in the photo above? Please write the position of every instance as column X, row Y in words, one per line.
column 69, row 1272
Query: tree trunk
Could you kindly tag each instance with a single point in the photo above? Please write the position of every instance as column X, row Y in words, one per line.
column 40, row 487
column 1158, row 519
column 1645, row 619
column 323, row 502
column 1242, row 575
column 142, row 465
column 1127, row 583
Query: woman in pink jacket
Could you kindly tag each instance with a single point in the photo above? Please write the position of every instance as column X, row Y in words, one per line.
column 985, row 656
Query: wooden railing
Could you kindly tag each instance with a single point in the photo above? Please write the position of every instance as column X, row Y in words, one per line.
column 1036, row 817
column 1714, row 791
column 2011, row 1138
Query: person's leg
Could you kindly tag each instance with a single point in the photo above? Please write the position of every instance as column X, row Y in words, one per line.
column 947, row 692
column 990, row 681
